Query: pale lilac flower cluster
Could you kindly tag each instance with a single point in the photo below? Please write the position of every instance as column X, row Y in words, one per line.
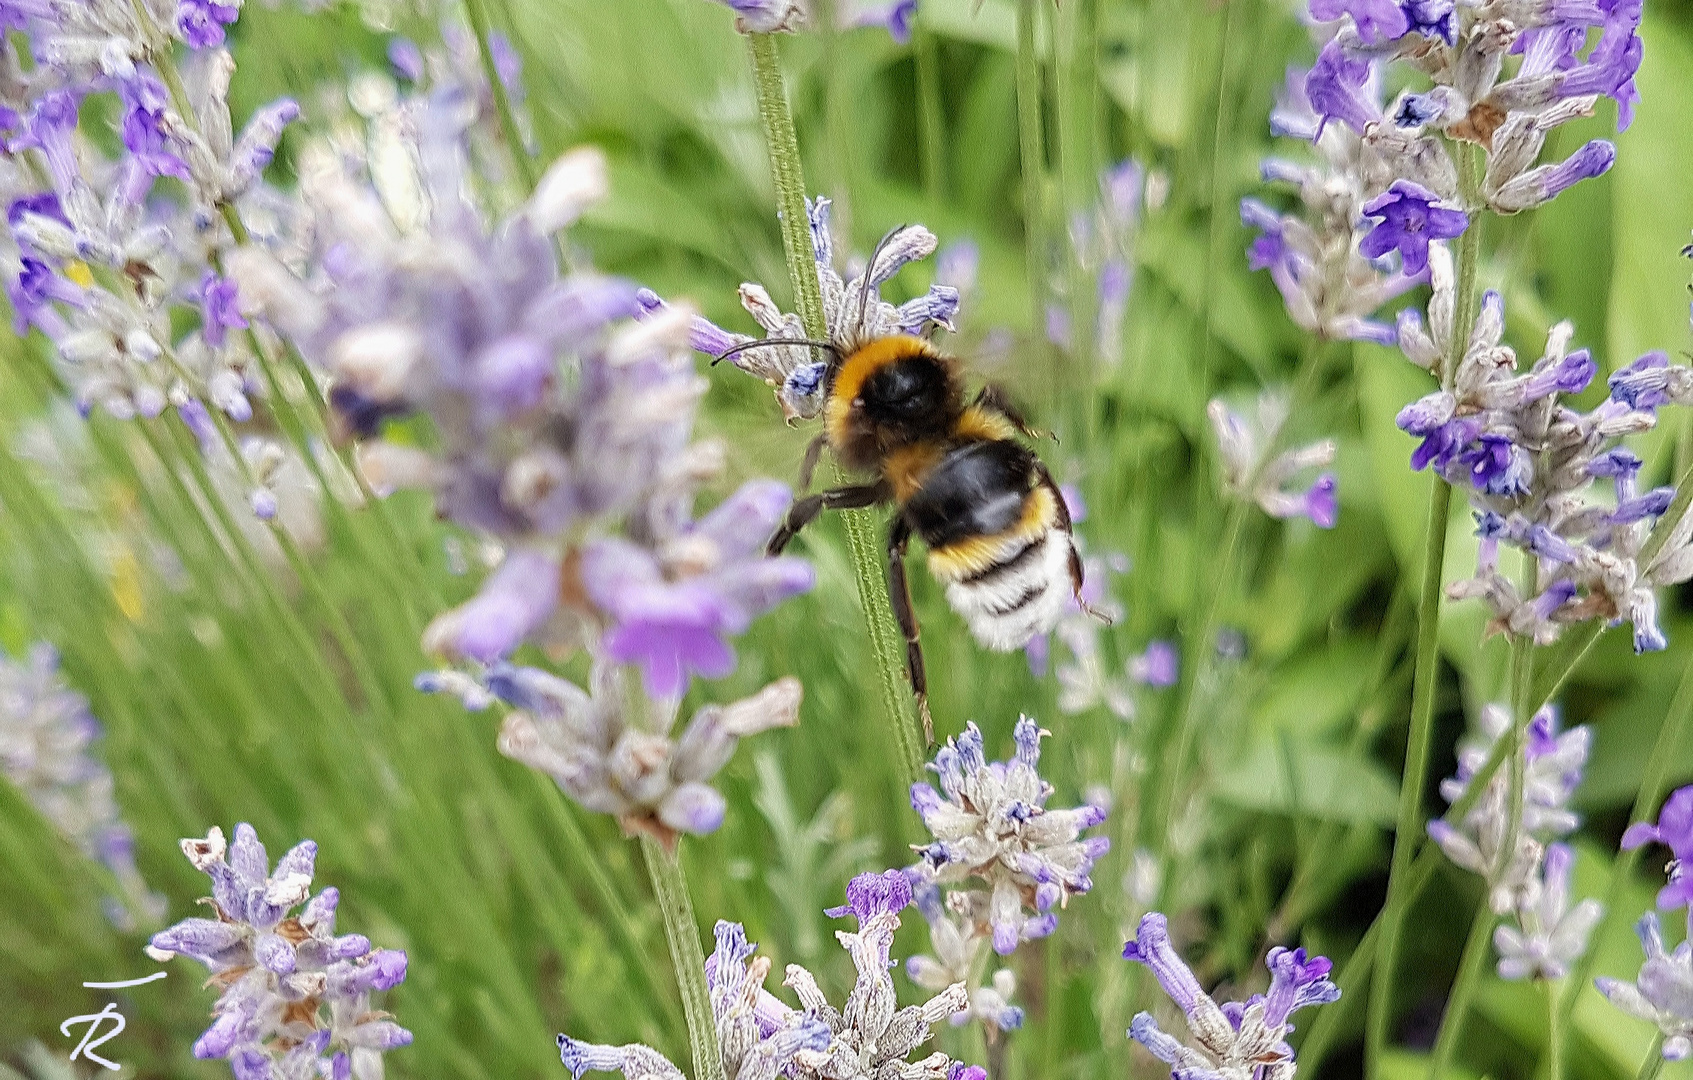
column 1550, row 935
column 565, row 423
column 958, row 943
column 1102, row 242
column 1529, row 463
column 47, row 737
column 1552, row 765
column 993, row 830
column 761, row 1037
column 107, row 265
column 1661, row 993
column 615, row 760
column 765, row 16
column 1252, row 469
column 295, row 997
column 1234, row 1040
column 793, row 371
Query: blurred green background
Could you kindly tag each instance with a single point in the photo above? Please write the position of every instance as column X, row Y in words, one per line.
column 524, row 916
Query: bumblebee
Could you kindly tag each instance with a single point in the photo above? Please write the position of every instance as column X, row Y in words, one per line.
column 960, row 477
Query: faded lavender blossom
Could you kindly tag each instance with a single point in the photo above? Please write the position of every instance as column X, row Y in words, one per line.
column 1550, row 935
column 758, row 1036
column 1659, row 995
column 793, row 371
column 957, row 943
column 1529, row 462
column 1553, row 762
column 1251, row 472
column 1233, row 1040
column 47, row 737
column 1674, row 830
column 1159, row 666
column 295, row 997
column 765, row 16
column 621, row 756
column 761, row 1037
column 565, row 423
column 992, row 828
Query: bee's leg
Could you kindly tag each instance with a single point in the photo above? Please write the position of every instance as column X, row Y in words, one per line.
column 805, row 509
column 899, row 598
column 1064, row 524
column 995, row 398
column 809, row 464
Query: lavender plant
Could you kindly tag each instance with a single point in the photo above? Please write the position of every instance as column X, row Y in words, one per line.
column 47, row 737
column 295, row 997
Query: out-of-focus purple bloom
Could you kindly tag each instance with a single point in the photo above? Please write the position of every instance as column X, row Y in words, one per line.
column 1659, row 995
column 220, row 310
column 47, row 752
column 676, row 626
column 294, row 994
column 1410, row 219
column 1674, row 830
column 895, row 16
column 1377, row 20
column 406, row 59
column 1550, row 935
column 991, row 825
column 1252, row 471
column 1158, row 666
column 1233, row 1039
column 201, row 22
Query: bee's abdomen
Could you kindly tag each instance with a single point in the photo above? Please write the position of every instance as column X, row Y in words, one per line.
column 994, row 542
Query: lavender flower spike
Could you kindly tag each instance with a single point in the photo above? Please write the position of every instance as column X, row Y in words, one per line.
column 1659, row 995
column 1674, row 830
column 991, row 825
column 1250, row 472
column 47, row 741
column 1550, row 935
column 1234, row 1040
column 288, row 980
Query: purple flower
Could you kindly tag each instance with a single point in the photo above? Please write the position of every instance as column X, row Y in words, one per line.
column 515, row 601
column 406, row 59
column 1674, row 830
column 219, row 308
column 1433, row 19
column 895, row 16
column 874, row 894
column 144, row 100
column 1410, row 219
column 676, row 627
column 1497, row 466
column 507, row 64
column 1158, row 666
column 1642, row 385
column 1610, row 68
column 1335, row 88
column 201, row 22
column 1377, row 20
column 1236, row 1038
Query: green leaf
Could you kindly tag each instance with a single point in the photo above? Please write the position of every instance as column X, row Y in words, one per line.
column 1326, row 782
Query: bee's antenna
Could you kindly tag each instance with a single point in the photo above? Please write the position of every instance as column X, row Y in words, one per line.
column 869, row 270
column 761, row 343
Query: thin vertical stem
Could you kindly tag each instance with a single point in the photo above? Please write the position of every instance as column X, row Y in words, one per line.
column 1031, row 141
column 1554, row 1033
column 1425, row 678
column 1654, row 1061
column 1469, row 977
column 479, row 22
column 930, row 112
column 867, row 560
column 664, row 867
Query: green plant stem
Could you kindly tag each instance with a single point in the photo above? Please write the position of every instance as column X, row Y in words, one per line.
column 1654, row 1061
column 930, row 113
column 480, row 24
column 1031, row 146
column 867, row 560
column 670, row 887
column 1470, row 969
column 1425, row 679
column 1554, row 1033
